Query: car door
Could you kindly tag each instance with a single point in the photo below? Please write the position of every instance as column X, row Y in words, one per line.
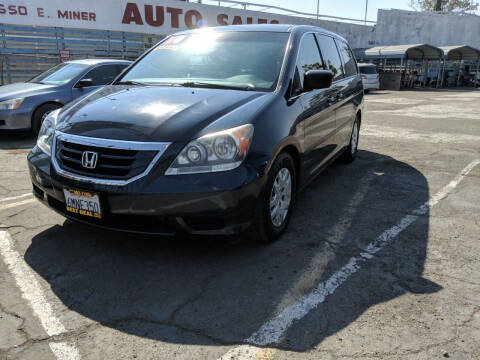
column 100, row 76
column 349, row 89
column 318, row 107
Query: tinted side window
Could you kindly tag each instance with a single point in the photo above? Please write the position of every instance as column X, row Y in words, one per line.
column 348, row 60
column 308, row 59
column 103, row 74
column 119, row 68
column 331, row 56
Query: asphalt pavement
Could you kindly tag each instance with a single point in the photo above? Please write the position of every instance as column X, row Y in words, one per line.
column 381, row 260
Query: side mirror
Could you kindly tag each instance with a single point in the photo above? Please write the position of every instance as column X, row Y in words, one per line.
column 317, row 79
column 84, row 83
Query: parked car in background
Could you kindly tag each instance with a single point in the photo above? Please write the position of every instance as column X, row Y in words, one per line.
column 370, row 77
column 202, row 135
column 24, row 105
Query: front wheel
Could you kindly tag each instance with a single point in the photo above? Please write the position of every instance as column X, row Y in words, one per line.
column 276, row 202
column 40, row 114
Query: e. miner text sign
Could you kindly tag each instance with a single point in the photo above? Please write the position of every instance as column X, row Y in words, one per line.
column 149, row 16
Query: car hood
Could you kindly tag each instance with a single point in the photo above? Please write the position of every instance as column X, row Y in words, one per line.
column 22, row 89
column 150, row 113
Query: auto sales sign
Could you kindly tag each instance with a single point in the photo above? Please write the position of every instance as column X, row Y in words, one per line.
column 143, row 16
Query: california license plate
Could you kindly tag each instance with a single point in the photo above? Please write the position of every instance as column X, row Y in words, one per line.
column 82, row 203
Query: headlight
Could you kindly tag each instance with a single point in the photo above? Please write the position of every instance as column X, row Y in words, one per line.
column 47, row 131
column 220, row 151
column 12, row 104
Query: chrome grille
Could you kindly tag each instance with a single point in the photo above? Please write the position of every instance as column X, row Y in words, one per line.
column 111, row 164
column 119, row 162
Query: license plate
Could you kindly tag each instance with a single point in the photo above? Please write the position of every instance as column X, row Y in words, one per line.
column 82, row 203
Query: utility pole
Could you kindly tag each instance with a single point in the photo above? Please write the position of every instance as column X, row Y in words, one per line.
column 318, row 8
column 366, row 10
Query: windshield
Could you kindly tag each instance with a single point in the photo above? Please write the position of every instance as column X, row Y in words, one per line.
column 245, row 60
column 60, row 74
column 368, row 70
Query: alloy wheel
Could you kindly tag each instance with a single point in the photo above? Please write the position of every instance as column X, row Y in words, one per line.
column 280, row 197
column 354, row 142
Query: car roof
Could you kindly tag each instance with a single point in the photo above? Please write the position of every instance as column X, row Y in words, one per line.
column 366, row 64
column 267, row 28
column 99, row 61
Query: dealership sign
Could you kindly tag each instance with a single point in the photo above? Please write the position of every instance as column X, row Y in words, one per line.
column 64, row 55
column 145, row 16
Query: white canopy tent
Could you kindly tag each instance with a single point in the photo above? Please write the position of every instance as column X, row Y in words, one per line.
column 405, row 55
column 405, row 52
column 461, row 53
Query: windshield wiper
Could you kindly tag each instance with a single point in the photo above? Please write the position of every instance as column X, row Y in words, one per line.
column 129, row 82
column 216, row 86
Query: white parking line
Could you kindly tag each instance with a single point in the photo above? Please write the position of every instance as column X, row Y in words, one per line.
column 15, row 204
column 4, row 200
column 32, row 292
column 408, row 134
column 273, row 330
column 8, row 204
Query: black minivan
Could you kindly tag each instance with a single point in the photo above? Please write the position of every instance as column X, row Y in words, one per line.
column 212, row 131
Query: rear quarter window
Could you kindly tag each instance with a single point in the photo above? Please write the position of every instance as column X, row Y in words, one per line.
column 348, row 60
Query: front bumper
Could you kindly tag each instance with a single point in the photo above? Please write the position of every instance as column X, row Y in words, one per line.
column 219, row 203
column 20, row 119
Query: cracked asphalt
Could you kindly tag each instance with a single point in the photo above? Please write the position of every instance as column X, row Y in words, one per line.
column 131, row 297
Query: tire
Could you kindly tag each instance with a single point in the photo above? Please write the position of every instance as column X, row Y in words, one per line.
column 366, row 91
column 351, row 152
column 268, row 228
column 40, row 114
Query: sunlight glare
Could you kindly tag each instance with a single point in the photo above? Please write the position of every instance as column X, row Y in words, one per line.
column 201, row 42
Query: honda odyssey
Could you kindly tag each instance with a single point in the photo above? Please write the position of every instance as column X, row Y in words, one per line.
column 212, row 131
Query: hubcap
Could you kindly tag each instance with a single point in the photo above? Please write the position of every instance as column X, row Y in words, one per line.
column 354, row 145
column 280, row 197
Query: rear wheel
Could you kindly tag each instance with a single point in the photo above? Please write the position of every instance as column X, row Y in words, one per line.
column 276, row 203
column 351, row 152
column 40, row 114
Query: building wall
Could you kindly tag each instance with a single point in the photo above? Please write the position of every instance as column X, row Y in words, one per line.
column 398, row 27
column 357, row 35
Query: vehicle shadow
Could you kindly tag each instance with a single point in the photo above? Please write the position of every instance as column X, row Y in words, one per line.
column 16, row 140
column 206, row 292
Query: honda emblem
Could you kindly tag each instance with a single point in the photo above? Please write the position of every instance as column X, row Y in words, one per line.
column 89, row 159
